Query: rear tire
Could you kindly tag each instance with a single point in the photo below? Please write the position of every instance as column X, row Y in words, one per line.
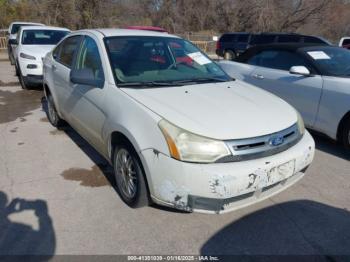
column 130, row 177
column 52, row 114
column 346, row 135
column 229, row 55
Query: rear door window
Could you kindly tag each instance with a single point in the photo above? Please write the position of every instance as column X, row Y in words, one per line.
column 67, row 50
column 278, row 59
column 228, row 38
column 313, row 40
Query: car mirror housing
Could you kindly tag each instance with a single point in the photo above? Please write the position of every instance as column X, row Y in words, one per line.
column 13, row 42
column 299, row 70
column 85, row 77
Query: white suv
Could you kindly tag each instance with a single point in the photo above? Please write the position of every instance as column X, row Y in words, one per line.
column 33, row 43
column 12, row 35
column 176, row 128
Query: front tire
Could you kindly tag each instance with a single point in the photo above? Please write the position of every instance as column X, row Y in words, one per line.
column 52, row 114
column 11, row 58
column 21, row 79
column 129, row 176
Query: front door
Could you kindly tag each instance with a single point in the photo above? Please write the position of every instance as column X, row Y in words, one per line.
column 302, row 92
column 86, row 102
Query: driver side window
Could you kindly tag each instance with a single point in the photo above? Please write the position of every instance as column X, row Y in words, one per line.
column 89, row 58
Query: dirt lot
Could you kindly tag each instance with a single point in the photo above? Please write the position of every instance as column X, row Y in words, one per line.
column 57, row 197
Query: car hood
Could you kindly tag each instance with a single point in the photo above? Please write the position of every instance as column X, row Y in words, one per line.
column 39, row 51
column 230, row 110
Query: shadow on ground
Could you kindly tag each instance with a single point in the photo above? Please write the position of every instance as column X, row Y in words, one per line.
column 18, row 104
column 293, row 228
column 329, row 146
column 21, row 239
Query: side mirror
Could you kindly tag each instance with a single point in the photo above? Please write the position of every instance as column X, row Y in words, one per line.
column 299, row 70
column 85, row 77
column 13, row 42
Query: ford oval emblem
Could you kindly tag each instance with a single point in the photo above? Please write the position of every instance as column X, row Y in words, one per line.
column 276, row 140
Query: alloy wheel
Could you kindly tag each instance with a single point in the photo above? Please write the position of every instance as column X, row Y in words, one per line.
column 51, row 110
column 126, row 174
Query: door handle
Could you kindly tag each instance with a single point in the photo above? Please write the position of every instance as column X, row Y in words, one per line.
column 53, row 67
column 257, row 76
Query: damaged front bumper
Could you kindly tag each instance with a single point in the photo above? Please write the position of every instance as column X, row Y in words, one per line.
column 224, row 187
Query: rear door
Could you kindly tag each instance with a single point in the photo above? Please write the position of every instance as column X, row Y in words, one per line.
column 272, row 74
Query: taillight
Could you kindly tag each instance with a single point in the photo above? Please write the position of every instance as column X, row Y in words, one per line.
column 218, row 45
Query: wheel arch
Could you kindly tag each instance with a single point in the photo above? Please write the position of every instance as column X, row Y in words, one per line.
column 119, row 137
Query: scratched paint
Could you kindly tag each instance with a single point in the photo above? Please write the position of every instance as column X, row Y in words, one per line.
column 174, row 194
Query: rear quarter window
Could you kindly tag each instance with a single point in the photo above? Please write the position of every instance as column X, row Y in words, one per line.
column 313, row 40
column 263, row 39
column 228, row 38
column 289, row 39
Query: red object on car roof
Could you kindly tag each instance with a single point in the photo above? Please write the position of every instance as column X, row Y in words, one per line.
column 148, row 28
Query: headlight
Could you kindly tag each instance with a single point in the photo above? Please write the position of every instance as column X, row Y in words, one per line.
column 23, row 55
column 301, row 125
column 186, row 146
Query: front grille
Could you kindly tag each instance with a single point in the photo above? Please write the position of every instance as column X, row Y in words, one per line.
column 263, row 146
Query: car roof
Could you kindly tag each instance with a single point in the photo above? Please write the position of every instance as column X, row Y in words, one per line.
column 237, row 33
column 110, row 32
column 44, row 28
column 27, row 23
column 143, row 27
column 284, row 46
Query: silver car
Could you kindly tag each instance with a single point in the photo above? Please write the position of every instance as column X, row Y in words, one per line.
column 313, row 79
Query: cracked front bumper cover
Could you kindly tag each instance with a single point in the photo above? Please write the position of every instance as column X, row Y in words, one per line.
column 197, row 203
column 223, row 187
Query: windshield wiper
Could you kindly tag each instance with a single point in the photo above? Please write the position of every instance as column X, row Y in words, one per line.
column 203, row 80
column 211, row 79
column 148, row 84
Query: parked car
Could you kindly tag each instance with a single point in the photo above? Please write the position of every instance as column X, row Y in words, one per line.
column 12, row 35
column 32, row 44
column 178, row 134
column 313, row 79
column 345, row 42
column 148, row 28
column 231, row 45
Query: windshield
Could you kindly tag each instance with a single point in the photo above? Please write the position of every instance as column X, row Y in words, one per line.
column 163, row 60
column 42, row 37
column 331, row 61
column 16, row 27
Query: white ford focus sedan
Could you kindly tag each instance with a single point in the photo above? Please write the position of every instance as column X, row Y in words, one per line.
column 178, row 130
